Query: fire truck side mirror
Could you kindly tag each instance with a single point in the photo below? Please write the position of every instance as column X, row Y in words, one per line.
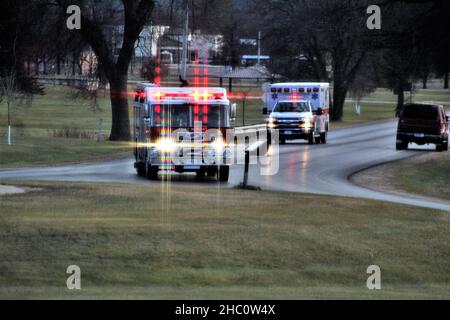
column 233, row 111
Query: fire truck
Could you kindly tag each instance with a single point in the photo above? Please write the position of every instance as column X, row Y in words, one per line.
column 182, row 130
column 298, row 110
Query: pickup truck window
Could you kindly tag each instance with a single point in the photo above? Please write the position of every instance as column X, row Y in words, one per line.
column 292, row 107
column 421, row 112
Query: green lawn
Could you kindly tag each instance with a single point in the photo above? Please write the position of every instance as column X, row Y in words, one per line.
column 37, row 131
column 428, row 175
column 173, row 242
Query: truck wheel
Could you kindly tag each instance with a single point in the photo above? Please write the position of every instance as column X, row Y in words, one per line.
column 311, row 138
column 402, row 145
column 211, row 174
column 440, row 147
column 200, row 174
column 445, row 146
column 223, row 174
column 140, row 169
column 323, row 137
column 151, row 173
column 317, row 140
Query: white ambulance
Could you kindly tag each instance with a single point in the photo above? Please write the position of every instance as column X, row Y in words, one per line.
column 182, row 130
column 298, row 110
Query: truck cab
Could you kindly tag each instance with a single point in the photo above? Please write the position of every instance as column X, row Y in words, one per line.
column 298, row 111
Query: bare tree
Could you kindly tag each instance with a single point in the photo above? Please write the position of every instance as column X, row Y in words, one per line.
column 329, row 35
column 9, row 86
column 111, row 29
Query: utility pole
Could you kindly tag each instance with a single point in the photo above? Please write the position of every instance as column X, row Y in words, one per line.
column 259, row 48
column 185, row 44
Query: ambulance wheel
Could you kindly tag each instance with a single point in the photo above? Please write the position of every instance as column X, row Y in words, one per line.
column 311, row 138
column 223, row 174
column 323, row 137
column 402, row 145
column 140, row 169
column 151, row 173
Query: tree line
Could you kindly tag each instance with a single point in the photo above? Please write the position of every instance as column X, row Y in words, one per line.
column 308, row 40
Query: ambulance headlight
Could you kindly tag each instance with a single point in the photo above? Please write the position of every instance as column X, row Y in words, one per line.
column 272, row 123
column 308, row 124
column 167, row 145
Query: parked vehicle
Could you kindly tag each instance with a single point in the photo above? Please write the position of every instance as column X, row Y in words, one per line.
column 423, row 124
column 299, row 111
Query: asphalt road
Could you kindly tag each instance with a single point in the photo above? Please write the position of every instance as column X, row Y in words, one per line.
column 318, row 169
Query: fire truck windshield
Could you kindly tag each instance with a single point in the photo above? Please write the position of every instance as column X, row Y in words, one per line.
column 185, row 115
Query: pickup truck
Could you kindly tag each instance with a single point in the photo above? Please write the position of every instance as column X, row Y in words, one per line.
column 423, row 124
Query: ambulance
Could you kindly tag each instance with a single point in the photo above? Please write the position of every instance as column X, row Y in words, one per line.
column 182, row 130
column 298, row 110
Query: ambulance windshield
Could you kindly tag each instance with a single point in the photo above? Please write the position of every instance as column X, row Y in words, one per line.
column 283, row 107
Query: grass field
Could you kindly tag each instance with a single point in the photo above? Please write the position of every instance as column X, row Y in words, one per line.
column 167, row 242
column 58, row 129
column 426, row 175
column 430, row 178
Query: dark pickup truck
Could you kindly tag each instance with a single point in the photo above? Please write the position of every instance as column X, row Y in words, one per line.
column 423, row 124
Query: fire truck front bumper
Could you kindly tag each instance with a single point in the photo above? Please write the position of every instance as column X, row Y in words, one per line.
column 182, row 161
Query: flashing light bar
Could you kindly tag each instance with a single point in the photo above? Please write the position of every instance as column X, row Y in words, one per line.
column 197, row 95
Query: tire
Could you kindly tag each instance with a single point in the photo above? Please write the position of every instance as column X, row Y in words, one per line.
column 445, row 146
column 440, row 147
column 140, row 169
column 152, row 173
column 317, row 140
column 224, row 174
column 282, row 141
column 211, row 174
column 311, row 138
column 200, row 174
column 323, row 137
column 402, row 145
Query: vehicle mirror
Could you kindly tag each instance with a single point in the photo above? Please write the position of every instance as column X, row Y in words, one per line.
column 233, row 111
column 447, row 118
column 319, row 112
column 265, row 111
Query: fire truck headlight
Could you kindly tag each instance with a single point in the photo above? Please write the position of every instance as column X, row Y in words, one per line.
column 219, row 145
column 167, row 145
